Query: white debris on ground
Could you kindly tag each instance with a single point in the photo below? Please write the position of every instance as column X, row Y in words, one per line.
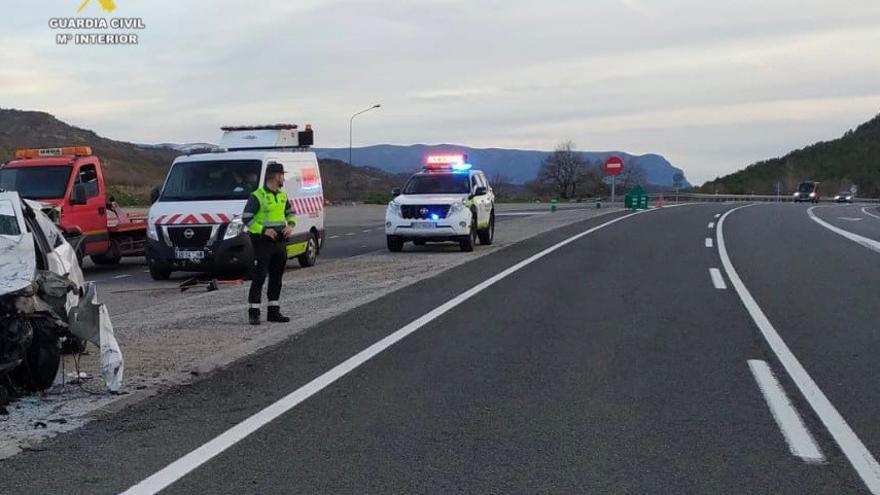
column 180, row 340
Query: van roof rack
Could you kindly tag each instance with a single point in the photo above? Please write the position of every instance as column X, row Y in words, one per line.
column 268, row 127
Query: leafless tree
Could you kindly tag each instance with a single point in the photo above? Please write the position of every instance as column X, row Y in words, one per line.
column 563, row 170
column 632, row 175
column 500, row 184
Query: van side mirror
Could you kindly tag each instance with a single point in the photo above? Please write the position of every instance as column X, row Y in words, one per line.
column 481, row 190
column 154, row 195
column 395, row 192
column 78, row 195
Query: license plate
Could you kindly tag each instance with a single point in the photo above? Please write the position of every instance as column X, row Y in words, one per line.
column 189, row 255
column 424, row 225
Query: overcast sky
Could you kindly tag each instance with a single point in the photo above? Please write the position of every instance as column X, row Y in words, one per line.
column 713, row 86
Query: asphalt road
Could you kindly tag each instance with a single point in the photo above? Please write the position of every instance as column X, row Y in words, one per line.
column 350, row 232
column 615, row 363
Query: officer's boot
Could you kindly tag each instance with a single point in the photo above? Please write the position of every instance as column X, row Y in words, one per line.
column 254, row 316
column 276, row 316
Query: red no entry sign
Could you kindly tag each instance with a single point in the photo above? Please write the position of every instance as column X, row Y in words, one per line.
column 614, row 165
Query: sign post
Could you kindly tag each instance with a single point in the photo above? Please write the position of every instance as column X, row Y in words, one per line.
column 677, row 181
column 613, row 167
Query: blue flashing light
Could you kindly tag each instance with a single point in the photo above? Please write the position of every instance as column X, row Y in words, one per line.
column 461, row 167
column 435, row 217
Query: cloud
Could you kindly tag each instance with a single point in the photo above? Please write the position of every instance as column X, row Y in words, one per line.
column 627, row 74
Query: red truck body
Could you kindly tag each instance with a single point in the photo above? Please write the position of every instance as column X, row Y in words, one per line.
column 72, row 180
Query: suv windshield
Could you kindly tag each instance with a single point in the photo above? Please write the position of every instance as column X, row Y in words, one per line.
column 36, row 182
column 212, row 180
column 438, row 184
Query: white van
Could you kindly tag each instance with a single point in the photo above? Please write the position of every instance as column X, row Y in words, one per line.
column 195, row 220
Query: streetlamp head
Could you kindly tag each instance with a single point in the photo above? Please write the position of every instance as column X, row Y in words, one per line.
column 377, row 105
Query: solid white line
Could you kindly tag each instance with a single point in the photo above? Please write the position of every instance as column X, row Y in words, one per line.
column 864, row 241
column 800, row 441
column 866, row 212
column 519, row 214
column 122, row 276
column 181, row 467
column 711, row 225
column 853, row 448
column 709, row 242
column 717, row 279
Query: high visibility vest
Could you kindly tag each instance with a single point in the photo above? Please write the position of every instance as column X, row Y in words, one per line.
column 271, row 212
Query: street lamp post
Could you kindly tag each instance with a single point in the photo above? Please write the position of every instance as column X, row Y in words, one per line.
column 351, row 128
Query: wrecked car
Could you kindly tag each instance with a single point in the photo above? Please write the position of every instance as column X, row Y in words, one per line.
column 44, row 303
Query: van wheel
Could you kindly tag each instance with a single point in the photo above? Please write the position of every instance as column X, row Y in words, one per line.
column 310, row 257
column 395, row 243
column 112, row 257
column 158, row 272
column 487, row 235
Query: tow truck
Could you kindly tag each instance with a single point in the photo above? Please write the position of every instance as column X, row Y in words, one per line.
column 71, row 180
column 447, row 201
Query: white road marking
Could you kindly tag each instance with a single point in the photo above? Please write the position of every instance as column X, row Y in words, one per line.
column 851, row 219
column 122, row 276
column 519, row 214
column 334, row 237
column 866, row 212
column 711, row 225
column 800, row 441
column 864, row 241
column 709, row 242
column 717, row 215
column 853, row 448
column 717, row 279
column 181, row 467
column 365, row 231
column 350, row 233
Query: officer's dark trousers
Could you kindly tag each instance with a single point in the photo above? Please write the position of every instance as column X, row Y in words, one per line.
column 270, row 258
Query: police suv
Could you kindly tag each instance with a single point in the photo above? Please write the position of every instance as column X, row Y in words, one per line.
column 447, row 201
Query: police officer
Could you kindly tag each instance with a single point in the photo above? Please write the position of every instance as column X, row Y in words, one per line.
column 270, row 220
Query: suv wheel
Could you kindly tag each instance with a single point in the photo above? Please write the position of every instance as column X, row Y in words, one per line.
column 467, row 243
column 395, row 243
column 487, row 235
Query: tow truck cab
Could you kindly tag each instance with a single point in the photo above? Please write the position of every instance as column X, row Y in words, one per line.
column 72, row 180
column 194, row 222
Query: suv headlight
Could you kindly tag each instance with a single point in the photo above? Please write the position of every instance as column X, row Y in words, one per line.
column 813, row 195
column 152, row 231
column 394, row 209
column 234, row 229
column 455, row 208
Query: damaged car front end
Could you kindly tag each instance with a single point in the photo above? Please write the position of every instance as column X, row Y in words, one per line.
column 44, row 303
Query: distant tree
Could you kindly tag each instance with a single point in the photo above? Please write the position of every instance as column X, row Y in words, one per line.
column 563, row 170
column 500, row 184
column 633, row 174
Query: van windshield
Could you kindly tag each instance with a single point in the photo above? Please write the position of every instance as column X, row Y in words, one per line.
column 806, row 187
column 212, row 180
column 36, row 182
column 8, row 220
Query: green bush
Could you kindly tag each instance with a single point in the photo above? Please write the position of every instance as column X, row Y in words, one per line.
column 378, row 198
